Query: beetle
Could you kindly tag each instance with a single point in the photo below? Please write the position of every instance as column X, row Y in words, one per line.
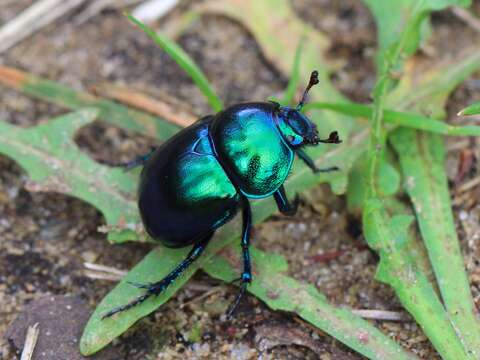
column 197, row 180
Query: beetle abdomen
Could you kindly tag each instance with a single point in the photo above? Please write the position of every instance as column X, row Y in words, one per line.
column 184, row 192
column 251, row 148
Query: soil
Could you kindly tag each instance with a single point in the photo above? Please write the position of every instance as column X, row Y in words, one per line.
column 45, row 238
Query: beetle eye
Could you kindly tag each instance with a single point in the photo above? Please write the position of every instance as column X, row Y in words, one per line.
column 290, row 138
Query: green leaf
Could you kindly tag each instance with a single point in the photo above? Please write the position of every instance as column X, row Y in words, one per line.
column 398, row 268
column 429, row 191
column 69, row 98
column 289, row 95
column 385, row 231
column 398, row 118
column 185, row 62
column 392, row 17
column 388, row 183
column 281, row 292
column 427, row 93
column 53, row 162
column 473, row 109
column 422, row 160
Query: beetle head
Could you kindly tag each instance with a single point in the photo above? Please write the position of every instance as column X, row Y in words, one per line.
column 296, row 128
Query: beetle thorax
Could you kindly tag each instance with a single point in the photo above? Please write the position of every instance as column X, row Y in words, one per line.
column 251, row 149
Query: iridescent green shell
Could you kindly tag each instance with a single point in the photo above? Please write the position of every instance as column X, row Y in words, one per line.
column 251, row 148
column 184, row 192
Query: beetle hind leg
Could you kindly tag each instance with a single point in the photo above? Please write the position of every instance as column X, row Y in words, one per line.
column 246, row 277
column 158, row 287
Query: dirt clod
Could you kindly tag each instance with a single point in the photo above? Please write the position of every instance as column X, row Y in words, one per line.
column 60, row 320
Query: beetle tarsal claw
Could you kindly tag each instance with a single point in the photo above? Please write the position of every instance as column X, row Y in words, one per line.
column 234, row 305
column 332, row 139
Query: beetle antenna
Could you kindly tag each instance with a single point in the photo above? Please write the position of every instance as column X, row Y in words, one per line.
column 313, row 81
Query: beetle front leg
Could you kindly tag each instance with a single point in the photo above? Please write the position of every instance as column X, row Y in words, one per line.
column 311, row 164
column 247, row 265
column 138, row 161
column 283, row 204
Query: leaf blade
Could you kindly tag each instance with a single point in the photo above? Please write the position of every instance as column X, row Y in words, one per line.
column 53, row 161
column 473, row 109
column 281, row 292
column 185, row 62
column 69, row 98
column 399, row 118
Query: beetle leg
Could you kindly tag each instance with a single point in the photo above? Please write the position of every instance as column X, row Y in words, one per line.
column 138, row 161
column 245, row 243
column 158, row 287
column 311, row 164
column 283, row 204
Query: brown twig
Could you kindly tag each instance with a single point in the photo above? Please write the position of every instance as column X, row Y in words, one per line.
column 465, row 164
column 467, row 17
column 205, row 295
column 153, row 10
column 146, row 103
column 383, row 315
column 30, row 342
column 468, row 185
column 332, row 255
column 102, row 272
column 12, row 77
column 35, row 17
column 98, row 6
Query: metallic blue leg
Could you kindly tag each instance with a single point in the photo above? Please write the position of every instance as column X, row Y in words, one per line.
column 138, row 161
column 245, row 243
column 283, row 204
column 311, row 164
column 158, row 287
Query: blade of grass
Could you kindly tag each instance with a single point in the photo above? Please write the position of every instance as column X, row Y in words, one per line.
column 185, row 62
column 473, row 109
column 391, row 18
column 430, row 187
column 66, row 97
column 389, row 231
column 422, row 158
column 292, row 86
column 173, row 113
column 278, row 30
column 427, row 93
column 281, row 292
column 399, row 118
column 389, row 235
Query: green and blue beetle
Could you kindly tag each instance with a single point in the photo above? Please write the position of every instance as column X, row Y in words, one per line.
column 197, row 180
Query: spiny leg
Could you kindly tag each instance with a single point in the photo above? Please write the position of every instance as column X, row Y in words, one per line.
column 311, row 164
column 158, row 287
column 245, row 243
column 138, row 161
column 283, row 204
